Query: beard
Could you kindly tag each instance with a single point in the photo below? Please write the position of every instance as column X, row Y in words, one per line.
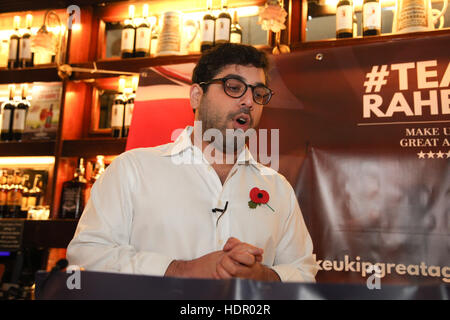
column 214, row 125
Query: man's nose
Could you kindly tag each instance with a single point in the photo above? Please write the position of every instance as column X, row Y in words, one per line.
column 247, row 99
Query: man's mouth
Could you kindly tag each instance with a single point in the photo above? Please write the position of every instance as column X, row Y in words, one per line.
column 241, row 121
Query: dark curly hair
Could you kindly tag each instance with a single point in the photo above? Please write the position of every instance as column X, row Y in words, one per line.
column 214, row 60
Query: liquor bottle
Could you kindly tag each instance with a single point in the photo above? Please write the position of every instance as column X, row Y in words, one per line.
column 236, row 30
column 118, row 111
column 143, row 34
column 25, row 195
column 26, row 56
column 14, row 199
column 35, row 193
column 99, row 168
column 154, row 38
column 344, row 19
column 208, row 26
column 128, row 35
column 20, row 115
column 223, row 25
column 14, row 45
column 371, row 18
column 129, row 107
column 9, row 187
column 73, row 193
column 8, row 109
column 3, row 192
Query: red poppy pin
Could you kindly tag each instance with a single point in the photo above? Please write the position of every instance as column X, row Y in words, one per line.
column 258, row 197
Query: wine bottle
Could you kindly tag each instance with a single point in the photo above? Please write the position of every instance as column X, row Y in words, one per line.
column 371, row 18
column 73, row 193
column 208, row 26
column 143, row 34
column 8, row 115
column 25, row 195
column 15, row 196
column 236, row 30
column 20, row 115
column 344, row 19
column 35, row 193
column 154, row 37
column 14, row 45
column 26, row 56
column 129, row 107
column 128, row 35
column 223, row 25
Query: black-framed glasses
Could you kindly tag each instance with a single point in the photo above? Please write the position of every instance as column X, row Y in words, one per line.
column 236, row 88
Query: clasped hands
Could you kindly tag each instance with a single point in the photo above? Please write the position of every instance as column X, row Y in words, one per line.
column 236, row 260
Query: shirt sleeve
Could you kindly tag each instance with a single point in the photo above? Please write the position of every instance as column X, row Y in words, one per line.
column 102, row 237
column 294, row 259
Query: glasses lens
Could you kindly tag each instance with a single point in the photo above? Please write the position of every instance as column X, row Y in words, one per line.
column 234, row 87
column 262, row 95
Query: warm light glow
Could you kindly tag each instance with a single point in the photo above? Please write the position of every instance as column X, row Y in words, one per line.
column 29, row 20
column 135, row 82
column 131, row 9
column 76, row 27
column 16, row 22
column 121, row 84
column 26, row 161
column 145, row 10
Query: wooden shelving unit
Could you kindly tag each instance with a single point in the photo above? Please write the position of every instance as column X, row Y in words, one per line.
column 92, row 147
column 27, row 148
column 33, row 74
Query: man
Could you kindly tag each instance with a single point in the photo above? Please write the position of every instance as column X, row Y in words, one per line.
column 152, row 212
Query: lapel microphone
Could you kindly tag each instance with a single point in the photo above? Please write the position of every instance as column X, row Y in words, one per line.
column 221, row 210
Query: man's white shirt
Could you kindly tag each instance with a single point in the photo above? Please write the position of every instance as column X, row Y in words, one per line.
column 154, row 205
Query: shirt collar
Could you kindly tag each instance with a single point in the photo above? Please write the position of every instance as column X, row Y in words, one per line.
column 184, row 142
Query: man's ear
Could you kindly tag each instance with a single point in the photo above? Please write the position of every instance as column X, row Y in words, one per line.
column 195, row 95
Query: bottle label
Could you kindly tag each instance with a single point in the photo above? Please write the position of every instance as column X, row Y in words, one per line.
column 143, row 39
column 371, row 15
column 127, row 40
column 25, row 49
column 412, row 13
column 13, row 45
column 6, row 120
column 344, row 18
column 235, row 37
column 208, row 31
column 71, row 199
column 222, row 30
column 117, row 116
column 19, row 120
column 128, row 113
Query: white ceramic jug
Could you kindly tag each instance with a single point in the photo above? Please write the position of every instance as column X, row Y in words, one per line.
column 416, row 15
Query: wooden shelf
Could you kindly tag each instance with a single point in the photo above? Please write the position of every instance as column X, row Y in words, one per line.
column 93, row 147
column 45, row 73
column 319, row 44
column 27, row 148
column 129, row 65
column 48, row 233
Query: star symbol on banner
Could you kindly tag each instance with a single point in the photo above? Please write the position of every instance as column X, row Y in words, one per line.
column 421, row 155
column 440, row 154
column 448, row 154
column 430, row 155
